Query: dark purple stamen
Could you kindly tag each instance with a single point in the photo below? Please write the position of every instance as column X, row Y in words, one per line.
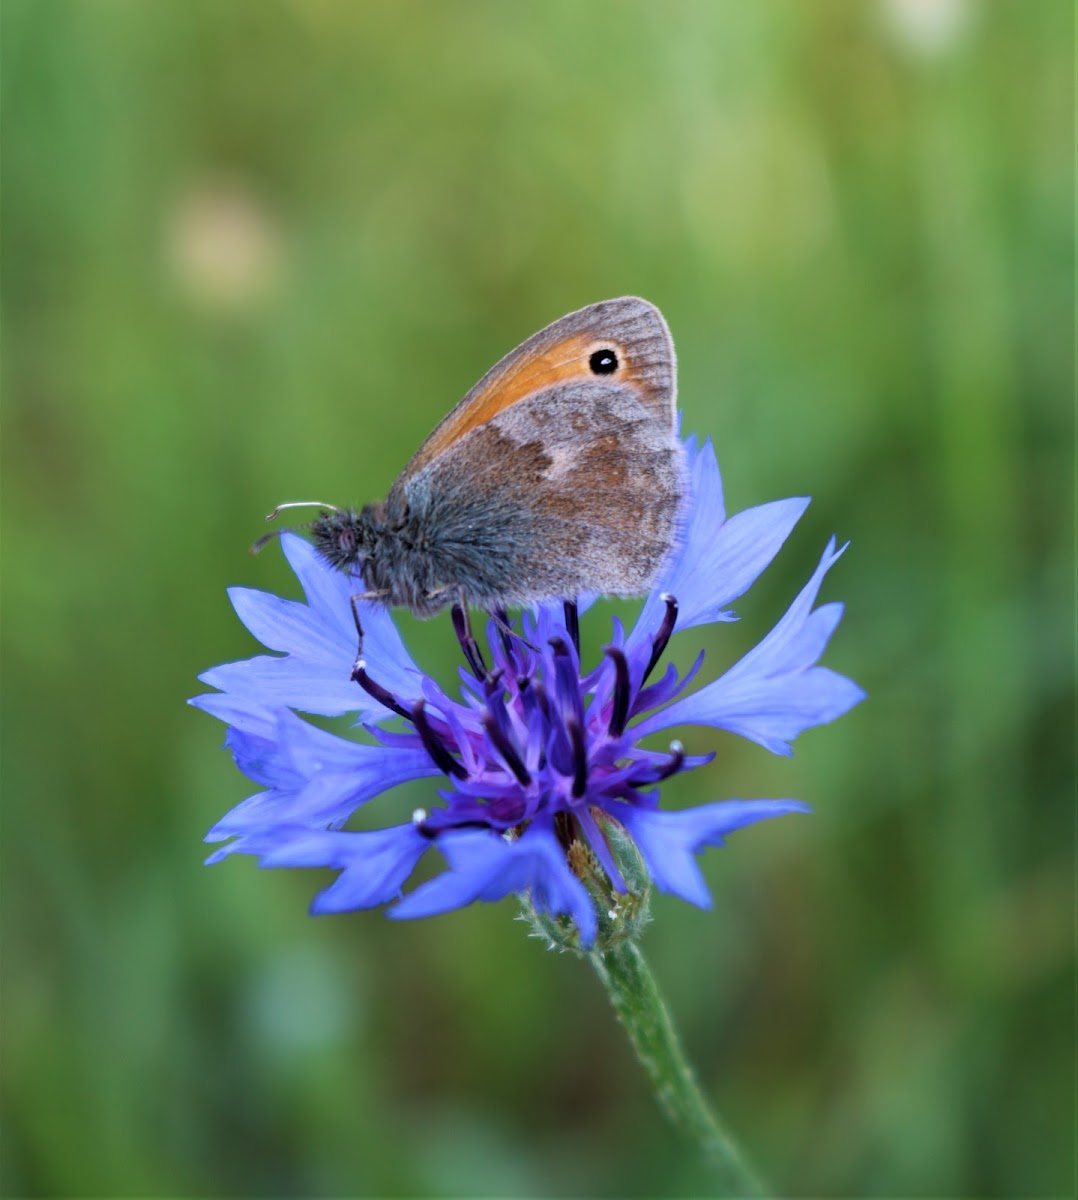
column 658, row 642
column 468, row 644
column 677, row 760
column 666, row 688
column 580, row 758
column 434, row 744
column 377, row 692
column 572, row 623
column 506, row 749
column 622, row 691
column 439, row 822
column 671, row 767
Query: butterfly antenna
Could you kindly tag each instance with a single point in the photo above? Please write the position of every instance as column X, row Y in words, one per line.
column 300, row 504
column 268, row 537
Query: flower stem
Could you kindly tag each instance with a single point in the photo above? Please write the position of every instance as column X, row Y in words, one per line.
column 642, row 1011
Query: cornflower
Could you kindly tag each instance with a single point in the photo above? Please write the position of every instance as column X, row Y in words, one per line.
column 546, row 789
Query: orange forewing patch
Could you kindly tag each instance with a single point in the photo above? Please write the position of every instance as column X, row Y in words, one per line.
column 565, row 360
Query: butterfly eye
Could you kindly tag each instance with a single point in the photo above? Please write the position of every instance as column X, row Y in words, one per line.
column 603, row 362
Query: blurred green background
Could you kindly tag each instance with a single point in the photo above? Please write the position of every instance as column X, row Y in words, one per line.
column 254, row 250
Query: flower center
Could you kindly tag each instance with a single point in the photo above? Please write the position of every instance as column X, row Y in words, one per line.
column 531, row 733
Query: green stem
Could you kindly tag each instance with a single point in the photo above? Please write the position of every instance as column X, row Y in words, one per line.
column 640, row 1008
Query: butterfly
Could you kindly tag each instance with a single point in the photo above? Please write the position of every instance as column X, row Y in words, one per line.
column 559, row 473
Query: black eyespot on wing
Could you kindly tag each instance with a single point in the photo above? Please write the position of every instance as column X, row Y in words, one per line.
column 603, row 362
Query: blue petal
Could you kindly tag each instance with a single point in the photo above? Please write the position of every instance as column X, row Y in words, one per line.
column 314, row 778
column 259, row 759
column 292, row 683
column 719, row 559
column 290, row 627
column 374, row 866
column 329, row 593
column 669, row 841
column 775, row 692
column 727, row 567
column 235, row 710
column 377, row 865
column 484, row 866
column 318, row 641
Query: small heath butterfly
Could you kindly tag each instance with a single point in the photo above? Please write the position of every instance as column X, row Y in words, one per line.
column 559, row 473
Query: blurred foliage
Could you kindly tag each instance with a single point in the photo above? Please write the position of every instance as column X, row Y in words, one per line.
column 254, row 249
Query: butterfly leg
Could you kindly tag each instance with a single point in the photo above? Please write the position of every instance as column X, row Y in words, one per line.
column 354, row 601
column 505, row 627
column 501, row 618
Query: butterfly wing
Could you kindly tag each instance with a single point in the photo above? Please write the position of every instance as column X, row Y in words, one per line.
column 631, row 328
